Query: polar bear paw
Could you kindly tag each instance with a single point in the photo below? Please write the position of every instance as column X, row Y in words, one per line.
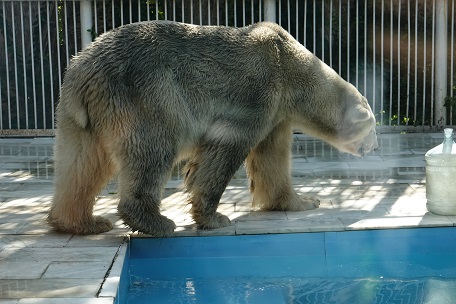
column 156, row 225
column 100, row 225
column 305, row 203
column 214, row 221
column 164, row 227
column 294, row 202
column 95, row 225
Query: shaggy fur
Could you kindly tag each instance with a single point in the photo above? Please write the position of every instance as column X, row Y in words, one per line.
column 147, row 95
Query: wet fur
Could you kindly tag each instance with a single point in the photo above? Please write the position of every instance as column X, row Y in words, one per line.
column 144, row 96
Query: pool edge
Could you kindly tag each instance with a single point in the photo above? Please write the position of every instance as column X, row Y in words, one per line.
column 113, row 285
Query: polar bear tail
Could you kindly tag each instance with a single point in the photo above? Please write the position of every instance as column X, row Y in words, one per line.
column 72, row 106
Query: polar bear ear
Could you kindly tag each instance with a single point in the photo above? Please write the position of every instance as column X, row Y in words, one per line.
column 360, row 111
column 359, row 114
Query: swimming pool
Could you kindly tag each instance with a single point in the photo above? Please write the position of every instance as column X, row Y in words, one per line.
column 375, row 266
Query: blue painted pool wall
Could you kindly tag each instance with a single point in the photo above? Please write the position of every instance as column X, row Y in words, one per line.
column 396, row 253
column 420, row 252
column 122, row 289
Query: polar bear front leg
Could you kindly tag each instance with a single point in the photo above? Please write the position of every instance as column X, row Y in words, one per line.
column 145, row 168
column 269, row 169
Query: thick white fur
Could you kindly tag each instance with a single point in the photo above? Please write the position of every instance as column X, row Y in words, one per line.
column 146, row 95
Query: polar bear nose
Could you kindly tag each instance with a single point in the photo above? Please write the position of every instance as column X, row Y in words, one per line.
column 368, row 147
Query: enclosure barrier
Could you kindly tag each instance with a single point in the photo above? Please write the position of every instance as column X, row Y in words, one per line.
column 399, row 54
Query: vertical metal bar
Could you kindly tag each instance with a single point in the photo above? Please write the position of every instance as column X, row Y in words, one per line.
column 174, row 10
column 280, row 12
column 122, row 13
column 416, row 65
column 32, row 57
column 260, row 10
column 357, row 44
column 323, row 30
column 139, row 11
column 452, row 61
column 365, row 48
column 243, row 12
column 330, row 33
column 75, row 32
column 348, row 41
column 340, row 37
column 252, row 10
column 59, row 62
column 59, row 68
column 104, row 16
column 1, row 106
column 441, row 53
column 148, row 10
column 42, row 57
column 288, row 16
column 407, row 109
column 391, row 62
column 314, row 27
column 183, row 10
column 209, row 12
column 43, row 88
column 399, row 62
column 51, row 75
column 297, row 18
column 270, row 10
column 7, row 68
column 191, row 11
column 382, row 60
column 374, row 59
column 24, row 69
column 424, row 60
column 95, row 19
column 86, row 18
column 305, row 23
column 432, row 65
column 113, row 18
column 13, row 26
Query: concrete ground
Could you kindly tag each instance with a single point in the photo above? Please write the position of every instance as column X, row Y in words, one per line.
column 385, row 189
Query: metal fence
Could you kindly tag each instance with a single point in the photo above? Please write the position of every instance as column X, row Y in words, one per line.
column 399, row 53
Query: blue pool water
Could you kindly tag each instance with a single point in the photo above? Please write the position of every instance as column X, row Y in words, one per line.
column 377, row 266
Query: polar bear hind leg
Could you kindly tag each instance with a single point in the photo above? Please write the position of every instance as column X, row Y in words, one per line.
column 146, row 161
column 82, row 169
column 269, row 170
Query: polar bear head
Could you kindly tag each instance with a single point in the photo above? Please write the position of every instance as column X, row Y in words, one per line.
column 326, row 106
column 356, row 125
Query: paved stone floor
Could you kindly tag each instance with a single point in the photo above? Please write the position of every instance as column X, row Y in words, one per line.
column 385, row 189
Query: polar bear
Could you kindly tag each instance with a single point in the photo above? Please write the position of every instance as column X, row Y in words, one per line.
column 147, row 95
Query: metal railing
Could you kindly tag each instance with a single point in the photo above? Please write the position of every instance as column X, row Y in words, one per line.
column 400, row 54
